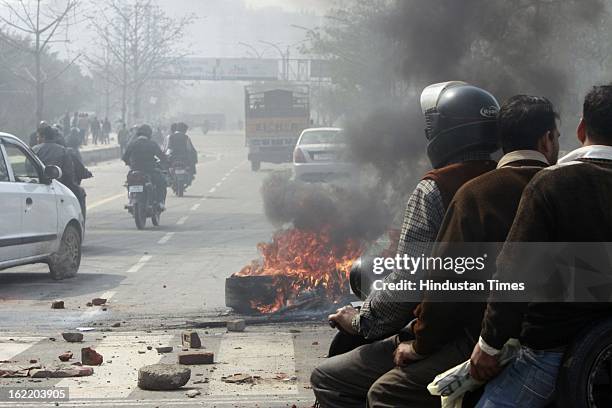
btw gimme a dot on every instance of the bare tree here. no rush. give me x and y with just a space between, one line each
43 24
139 39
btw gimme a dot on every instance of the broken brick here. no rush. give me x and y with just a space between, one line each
73 337
191 340
91 357
159 377
237 325
98 301
164 349
65 356
196 357
57 304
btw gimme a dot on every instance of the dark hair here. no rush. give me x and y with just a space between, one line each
46 132
597 114
523 120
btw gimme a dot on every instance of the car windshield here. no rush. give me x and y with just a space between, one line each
323 137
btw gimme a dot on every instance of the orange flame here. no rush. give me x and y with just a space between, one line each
309 259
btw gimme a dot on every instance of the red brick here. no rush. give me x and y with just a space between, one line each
196 357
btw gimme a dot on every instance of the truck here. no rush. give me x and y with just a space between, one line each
275 116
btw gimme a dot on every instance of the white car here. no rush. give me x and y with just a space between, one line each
319 155
41 220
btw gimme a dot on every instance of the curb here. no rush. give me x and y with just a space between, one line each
99 155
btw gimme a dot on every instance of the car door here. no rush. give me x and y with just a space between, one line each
11 213
38 200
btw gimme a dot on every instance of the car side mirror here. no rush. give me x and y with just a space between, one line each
52 173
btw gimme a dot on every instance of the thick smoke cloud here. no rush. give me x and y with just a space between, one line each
348 211
505 46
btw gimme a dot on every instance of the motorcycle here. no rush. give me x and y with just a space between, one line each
143 202
180 178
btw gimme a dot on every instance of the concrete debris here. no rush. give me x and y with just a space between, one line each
164 349
193 393
98 301
239 379
191 340
237 325
65 356
16 370
117 324
73 337
57 304
62 371
149 347
89 304
196 357
91 357
163 377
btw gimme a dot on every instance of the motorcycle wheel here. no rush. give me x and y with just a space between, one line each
156 218
140 216
180 189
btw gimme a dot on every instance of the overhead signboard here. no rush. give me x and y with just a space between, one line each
220 69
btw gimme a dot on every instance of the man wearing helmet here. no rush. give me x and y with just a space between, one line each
460 128
142 154
179 147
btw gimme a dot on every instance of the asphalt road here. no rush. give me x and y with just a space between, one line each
155 281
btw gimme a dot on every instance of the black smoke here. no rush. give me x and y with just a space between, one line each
346 210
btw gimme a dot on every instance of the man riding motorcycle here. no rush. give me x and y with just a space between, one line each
51 152
179 147
143 154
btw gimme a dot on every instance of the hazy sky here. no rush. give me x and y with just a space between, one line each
221 25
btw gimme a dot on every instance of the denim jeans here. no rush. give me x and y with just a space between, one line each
527 382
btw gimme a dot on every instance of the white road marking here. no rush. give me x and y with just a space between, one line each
166 238
119 378
138 265
96 310
256 354
212 190
195 207
12 346
104 201
182 221
218 184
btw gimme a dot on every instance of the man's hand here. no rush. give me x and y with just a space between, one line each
483 366
404 354
343 319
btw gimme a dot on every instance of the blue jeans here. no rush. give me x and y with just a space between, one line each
527 382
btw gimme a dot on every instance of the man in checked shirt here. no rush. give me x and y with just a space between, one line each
460 127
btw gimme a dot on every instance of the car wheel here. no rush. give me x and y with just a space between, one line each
66 261
255 165
585 378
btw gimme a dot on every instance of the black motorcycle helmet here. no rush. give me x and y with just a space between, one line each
145 130
182 127
459 118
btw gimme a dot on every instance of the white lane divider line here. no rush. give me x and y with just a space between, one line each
138 265
166 238
13 346
94 311
182 221
119 379
195 207
253 354
223 179
212 190
218 184
104 201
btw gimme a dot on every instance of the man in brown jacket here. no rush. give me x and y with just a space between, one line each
568 203
481 212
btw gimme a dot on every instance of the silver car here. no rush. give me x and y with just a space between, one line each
319 155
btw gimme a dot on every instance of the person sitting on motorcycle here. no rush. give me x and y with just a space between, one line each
180 148
143 154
